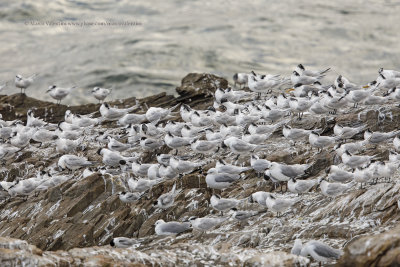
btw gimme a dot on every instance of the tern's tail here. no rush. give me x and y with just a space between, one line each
32 77
325 71
133 108
258 147
174 107
173 189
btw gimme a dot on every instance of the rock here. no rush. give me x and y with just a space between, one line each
376 250
201 83
197 89
278 258
73 223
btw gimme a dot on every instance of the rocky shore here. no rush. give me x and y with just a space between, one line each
72 224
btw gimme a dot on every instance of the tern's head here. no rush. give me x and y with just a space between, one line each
112 243
51 88
106 105
328 170
222 108
337 146
250 199
347 153
295 73
297 85
17 122
159 222
18 77
192 218
99 151
212 170
301 66
144 128
95 89
186 107
215 197
315 133
317 82
235 77
380 70
211 109
321 180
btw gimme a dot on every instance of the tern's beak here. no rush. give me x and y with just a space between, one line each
48 91
366 86
289 90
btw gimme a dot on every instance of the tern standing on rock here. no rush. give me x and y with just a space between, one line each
24 83
101 93
59 93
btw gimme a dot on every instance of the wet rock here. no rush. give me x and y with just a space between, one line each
376 250
197 89
276 259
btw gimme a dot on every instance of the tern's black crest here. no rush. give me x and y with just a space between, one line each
297 85
122 162
112 243
211 108
235 77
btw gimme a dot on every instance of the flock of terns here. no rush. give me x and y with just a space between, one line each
236 127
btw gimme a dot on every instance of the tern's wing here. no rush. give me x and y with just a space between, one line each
126 242
334 189
225 178
174 227
76 161
325 251
166 199
290 171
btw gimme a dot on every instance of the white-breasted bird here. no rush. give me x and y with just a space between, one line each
100 93
59 93
24 83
